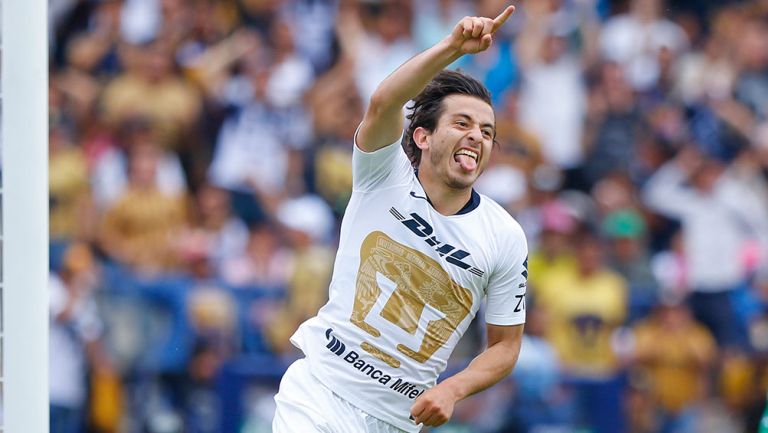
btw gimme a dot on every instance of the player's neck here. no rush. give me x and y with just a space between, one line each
444 199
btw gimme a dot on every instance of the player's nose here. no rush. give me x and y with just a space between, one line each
475 135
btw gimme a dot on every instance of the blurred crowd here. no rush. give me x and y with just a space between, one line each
200 162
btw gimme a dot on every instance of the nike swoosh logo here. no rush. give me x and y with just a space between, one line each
413 194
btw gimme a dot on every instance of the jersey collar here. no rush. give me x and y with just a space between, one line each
472 204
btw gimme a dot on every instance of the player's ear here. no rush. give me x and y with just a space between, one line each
421 137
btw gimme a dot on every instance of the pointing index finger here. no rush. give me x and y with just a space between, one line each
502 18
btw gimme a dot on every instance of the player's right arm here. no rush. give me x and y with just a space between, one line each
383 121
436 405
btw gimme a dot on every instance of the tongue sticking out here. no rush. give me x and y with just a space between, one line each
467 162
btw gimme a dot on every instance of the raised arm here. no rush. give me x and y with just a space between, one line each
666 191
435 406
383 121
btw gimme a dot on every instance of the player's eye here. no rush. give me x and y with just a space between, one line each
462 123
487 133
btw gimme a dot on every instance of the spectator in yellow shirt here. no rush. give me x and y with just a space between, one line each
675 354
142 228
583 306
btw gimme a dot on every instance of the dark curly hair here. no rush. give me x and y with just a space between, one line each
427 106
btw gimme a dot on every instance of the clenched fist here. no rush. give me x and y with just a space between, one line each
434 407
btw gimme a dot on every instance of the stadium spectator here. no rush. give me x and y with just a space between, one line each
692 83
628 256
75 339
308 222
636 40
336 110
751 86
540 401
255 158
378 48
583 306
292 74
140 229
675 357
554 254
316 19
712 200
552 90
149 88
71 213
614 125
265 263
216 234
109 166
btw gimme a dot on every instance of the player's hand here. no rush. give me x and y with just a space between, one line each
434 407
475 34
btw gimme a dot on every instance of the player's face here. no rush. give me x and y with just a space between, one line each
460 147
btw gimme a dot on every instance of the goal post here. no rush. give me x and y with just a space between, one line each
24 216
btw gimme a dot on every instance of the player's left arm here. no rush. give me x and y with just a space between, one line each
435 406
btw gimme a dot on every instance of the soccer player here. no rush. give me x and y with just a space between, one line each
419 250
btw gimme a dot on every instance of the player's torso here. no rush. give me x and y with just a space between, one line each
407 282
409 272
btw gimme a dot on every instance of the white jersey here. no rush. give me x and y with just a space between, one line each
406 284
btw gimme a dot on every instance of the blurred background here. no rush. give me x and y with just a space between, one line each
200 158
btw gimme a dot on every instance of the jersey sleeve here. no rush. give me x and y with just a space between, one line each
388 166
507 286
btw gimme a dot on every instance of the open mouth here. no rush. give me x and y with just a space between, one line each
466 158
